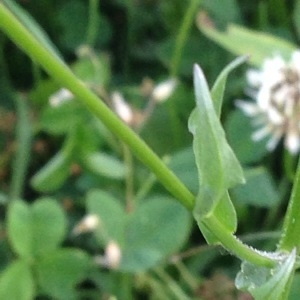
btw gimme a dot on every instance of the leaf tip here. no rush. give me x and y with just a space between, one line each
197 69
198 73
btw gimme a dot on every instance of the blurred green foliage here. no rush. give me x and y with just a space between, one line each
82 169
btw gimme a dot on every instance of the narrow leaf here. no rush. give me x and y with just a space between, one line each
104 165
53 174
241 41
217 165
33 27
218 88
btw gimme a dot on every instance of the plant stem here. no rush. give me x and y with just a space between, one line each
92 29
128 160
171 284
123 289
180 42
145 188
58 70
23 138
183 35
148 183
191 281
291 227
232 244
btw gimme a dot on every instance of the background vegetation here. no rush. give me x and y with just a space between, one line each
65 164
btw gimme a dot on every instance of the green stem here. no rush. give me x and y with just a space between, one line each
23 138
183 35
291 227
129 40
123 286
37 76
92 30
234 245
171 284
148 183
128 159
190 280
290 164
58 70
156 286
180 42
145 188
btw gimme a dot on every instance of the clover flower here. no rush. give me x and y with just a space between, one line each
276 110
112 256
122 108
88 224
60 97
162 91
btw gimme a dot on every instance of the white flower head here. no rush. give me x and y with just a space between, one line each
164 90
87 224
276 91
60 97
112 256
122 108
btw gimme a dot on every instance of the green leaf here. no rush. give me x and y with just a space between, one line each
53 174
295 287
111 214
239 130
296 16
19 228
154 230
217 91
183 164
72 18
16 282
93 69
218 168
48 225
40 93
157 228
225 213
259 190
88 138
62 119
60 271
225 13
267 284
193 51
104 165
37 229
241 41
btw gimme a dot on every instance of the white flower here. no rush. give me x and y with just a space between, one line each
60 97
87 224
164 90
112 256
276 91
122 108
